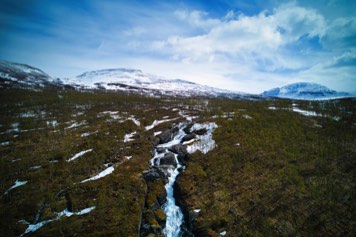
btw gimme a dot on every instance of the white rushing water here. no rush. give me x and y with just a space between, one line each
204 143
174 215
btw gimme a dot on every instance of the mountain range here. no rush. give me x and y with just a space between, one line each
133 80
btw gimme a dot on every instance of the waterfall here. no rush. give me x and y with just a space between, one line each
174 215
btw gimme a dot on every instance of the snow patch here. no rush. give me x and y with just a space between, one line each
245 116
157 133
75 125
157 122
129 137
223 233
17 184
79 154
65 212
133 119
203 143
28 115
4 143
305 112
86 134
100 175
313 113
52 123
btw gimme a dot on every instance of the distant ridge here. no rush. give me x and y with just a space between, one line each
305 91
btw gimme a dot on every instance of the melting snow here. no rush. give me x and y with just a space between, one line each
157 133
17 184
189 142
246 116
133 119
204 143
128 137
87 134
4 143
65 212
157 122
313 113
27 115
14 128
305 112
75 125
100 175
79 154
52 123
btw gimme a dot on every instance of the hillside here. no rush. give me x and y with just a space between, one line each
14 75
96 164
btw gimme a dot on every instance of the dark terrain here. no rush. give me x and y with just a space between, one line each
274 172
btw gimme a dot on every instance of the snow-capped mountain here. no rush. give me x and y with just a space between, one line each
24 76
305 91
135 80
15 75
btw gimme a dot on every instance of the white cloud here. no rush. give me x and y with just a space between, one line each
259 37
197 18
288 44
297 21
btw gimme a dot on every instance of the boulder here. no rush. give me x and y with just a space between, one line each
187 128
165 136
181 151
168 159
200 131
160 149
151 175
154 140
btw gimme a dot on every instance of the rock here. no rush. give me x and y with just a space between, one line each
181 151
200 131
160 149
188 137
151 175
187 128
165 136
160 217
154 140
168 159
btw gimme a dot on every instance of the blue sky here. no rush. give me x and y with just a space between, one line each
242 45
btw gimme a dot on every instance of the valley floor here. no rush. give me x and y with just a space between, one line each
73 163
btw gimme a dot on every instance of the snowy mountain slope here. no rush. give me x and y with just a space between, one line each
136 80
305 91
24 76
